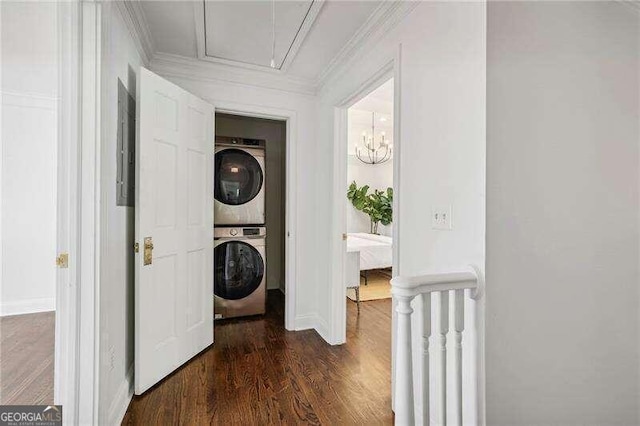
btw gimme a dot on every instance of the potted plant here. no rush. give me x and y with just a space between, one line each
377 205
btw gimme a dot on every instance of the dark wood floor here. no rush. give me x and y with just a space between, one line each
26 359
257 373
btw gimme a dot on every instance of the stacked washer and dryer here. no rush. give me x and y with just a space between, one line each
240 287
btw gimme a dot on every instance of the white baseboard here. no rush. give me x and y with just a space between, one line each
28 306
323 330
313 322
121 401
305 322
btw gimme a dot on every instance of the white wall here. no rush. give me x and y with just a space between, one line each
121 61
275 134
442 132
29 90
562 208
30 48
442 141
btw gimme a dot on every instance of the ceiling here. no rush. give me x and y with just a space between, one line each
244 31
309 33
377 105
380 100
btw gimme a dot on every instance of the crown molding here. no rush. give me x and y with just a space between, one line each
382 20
136 22
198 70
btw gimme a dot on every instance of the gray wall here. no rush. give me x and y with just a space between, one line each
275 180
562 213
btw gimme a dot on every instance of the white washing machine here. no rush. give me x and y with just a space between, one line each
240 280
239 183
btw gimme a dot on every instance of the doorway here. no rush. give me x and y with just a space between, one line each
369 211
250 192
174 149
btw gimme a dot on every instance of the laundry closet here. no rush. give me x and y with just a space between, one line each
249 213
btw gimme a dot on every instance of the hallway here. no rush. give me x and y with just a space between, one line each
258 373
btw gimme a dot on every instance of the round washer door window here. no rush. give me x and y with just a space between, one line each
238 270
238 177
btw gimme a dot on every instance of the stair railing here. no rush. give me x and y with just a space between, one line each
448 291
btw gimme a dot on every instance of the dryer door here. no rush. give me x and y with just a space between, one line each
239 177
239 269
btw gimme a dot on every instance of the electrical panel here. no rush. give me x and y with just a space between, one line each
126 150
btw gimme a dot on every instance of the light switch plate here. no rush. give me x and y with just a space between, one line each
442 218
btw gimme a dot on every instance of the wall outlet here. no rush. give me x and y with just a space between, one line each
441 218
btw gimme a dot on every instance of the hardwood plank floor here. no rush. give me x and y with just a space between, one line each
26 358
257 373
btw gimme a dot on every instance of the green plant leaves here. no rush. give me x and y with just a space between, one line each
377 205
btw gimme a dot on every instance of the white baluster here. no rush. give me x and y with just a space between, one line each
456 321
443 327
426 321
404 402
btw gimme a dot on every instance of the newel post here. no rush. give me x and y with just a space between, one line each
404 366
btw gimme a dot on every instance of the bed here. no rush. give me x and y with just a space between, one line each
364 253
375 250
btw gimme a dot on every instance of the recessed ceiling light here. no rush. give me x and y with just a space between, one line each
383 119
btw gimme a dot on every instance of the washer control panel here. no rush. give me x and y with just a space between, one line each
235 232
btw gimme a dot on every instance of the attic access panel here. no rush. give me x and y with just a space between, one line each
241 31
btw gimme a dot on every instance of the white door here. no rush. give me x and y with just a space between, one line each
174 229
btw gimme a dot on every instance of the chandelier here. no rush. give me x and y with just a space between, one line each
374 151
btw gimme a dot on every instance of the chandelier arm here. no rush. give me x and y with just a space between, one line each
387 156
359 158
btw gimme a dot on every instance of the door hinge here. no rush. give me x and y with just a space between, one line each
62 261
136 247
344 237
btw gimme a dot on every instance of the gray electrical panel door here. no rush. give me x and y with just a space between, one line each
126 152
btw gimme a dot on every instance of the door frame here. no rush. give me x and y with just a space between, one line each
291 211
390 69
76 344
66 320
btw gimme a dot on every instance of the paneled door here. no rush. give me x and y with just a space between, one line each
174 229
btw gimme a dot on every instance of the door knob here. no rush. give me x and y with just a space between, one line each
148 251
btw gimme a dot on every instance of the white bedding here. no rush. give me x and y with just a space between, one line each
375 250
